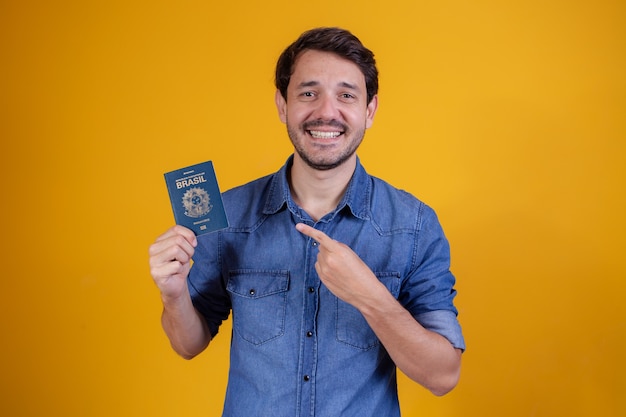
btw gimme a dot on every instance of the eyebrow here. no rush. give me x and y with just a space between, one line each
343 84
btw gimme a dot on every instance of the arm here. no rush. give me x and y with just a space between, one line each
170 262
424 356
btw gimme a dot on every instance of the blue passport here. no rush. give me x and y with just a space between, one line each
196 198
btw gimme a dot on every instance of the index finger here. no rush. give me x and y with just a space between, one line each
311 232
186 233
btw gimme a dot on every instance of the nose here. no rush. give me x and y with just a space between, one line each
327 108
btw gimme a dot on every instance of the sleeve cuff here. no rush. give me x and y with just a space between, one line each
445 323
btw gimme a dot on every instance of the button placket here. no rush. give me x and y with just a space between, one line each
309 342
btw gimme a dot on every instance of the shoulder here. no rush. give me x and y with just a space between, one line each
244 204
253 188
394 209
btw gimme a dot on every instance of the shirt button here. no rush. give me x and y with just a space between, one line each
306 378
314 243
311 289
309 334
252 291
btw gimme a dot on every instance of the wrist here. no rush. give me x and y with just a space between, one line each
177 300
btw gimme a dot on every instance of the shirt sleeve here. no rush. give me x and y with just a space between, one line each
445 323
428 292
205 283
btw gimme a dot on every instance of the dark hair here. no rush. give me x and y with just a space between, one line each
335 40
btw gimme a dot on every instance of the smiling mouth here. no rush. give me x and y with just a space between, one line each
320 129
317 134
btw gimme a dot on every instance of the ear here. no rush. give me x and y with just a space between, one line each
371 111
281 106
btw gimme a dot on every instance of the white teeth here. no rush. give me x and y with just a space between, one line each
324 135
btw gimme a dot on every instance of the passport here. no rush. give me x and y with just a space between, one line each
196 199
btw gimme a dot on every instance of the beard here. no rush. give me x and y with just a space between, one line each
326 159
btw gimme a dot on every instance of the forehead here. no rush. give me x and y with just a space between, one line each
321 66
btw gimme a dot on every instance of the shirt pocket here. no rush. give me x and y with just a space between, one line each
259 302
351 327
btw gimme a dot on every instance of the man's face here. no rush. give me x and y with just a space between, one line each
326 111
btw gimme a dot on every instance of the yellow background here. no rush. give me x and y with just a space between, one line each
508 117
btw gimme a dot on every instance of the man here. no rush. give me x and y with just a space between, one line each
334 277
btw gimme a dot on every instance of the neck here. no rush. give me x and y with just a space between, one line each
318 192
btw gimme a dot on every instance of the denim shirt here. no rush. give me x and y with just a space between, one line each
296 349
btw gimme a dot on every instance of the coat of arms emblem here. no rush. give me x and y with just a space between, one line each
197 202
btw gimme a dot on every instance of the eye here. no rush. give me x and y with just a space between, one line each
307 95
347 97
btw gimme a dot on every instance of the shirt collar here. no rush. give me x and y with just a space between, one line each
357 196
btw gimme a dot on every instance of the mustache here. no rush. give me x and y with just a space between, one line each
323 123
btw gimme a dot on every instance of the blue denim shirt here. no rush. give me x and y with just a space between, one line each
297 350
